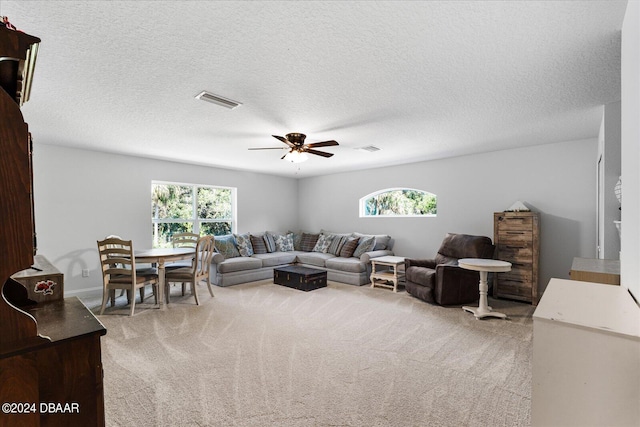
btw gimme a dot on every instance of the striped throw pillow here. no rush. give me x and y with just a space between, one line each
270 242
336 244
349 247
308 241
257 242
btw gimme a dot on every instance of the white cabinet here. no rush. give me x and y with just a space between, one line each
586 356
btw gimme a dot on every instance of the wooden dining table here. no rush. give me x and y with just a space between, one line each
160 256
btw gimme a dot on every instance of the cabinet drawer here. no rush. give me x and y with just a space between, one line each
521 267
517 274
515 223
519 252
514 236
517 289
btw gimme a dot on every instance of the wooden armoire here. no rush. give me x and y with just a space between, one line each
50 356
517 239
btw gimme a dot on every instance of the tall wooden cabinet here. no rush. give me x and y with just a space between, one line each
49 350
517 239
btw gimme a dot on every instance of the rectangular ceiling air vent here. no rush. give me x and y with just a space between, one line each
217 99
369 148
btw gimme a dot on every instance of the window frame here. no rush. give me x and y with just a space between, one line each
194 208
363 202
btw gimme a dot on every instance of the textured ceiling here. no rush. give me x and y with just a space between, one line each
419 80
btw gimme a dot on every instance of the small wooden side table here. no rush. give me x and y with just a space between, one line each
605 271
484 266
391 272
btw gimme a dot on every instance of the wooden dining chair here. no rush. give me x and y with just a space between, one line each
197 272
118 266
139 271
183 240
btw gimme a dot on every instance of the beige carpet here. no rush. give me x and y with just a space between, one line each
260 354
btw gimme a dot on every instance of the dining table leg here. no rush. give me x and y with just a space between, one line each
161 280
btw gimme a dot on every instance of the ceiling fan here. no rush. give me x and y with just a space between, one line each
298 149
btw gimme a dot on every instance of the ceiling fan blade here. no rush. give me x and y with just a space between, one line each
319 153
322 144
268 148
283 139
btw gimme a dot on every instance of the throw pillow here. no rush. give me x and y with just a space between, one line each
284 243
257 242
270 242
322 245
336 244
349 247
381 240
226 246
365 245
244 244
308 241
297 237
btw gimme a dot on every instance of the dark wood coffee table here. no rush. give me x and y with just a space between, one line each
302 278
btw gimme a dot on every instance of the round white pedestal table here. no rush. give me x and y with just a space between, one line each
484 266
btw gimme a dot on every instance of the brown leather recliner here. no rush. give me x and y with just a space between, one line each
440 280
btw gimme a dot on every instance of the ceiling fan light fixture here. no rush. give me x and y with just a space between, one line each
218 100
295 156
298 150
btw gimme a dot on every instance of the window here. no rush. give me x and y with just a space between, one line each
398 202
190 208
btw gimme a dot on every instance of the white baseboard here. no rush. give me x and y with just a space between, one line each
89 292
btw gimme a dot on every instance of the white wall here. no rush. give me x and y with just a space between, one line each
630 254
609 150
82 196
558 180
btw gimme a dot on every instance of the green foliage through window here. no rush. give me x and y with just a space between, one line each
399 202
180 208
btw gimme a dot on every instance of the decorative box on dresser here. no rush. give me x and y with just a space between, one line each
517 239
43 281
50 356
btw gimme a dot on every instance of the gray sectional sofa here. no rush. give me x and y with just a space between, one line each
241 258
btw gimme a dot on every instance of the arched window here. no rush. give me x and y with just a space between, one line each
398 202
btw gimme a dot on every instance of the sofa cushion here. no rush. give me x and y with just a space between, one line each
244 244
336 244
364 245
465 246
257 242
322 245
238 264
226 245
424 293
421 275
297 238
349 247
350 265
270 242
381 240
308 241
276 258
284 243
314 258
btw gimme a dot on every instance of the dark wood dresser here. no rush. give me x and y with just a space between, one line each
517 239
50 356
